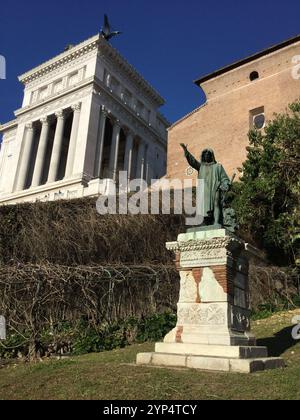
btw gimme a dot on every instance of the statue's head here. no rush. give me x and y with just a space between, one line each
208 156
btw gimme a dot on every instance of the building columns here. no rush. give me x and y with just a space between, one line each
128 155
73 140
141 161
148 173
41 153
57 146
113 166
25 157
148 168
100 142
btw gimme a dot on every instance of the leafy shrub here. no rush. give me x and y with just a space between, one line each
84 337
268 197
155 327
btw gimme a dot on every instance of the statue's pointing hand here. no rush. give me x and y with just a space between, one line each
184 146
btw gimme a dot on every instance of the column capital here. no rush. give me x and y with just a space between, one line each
104 110
29 126
44 120
76 107
117 123
60 114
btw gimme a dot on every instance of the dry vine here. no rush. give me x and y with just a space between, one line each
272 285
38 297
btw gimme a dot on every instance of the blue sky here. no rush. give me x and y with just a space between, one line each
170 42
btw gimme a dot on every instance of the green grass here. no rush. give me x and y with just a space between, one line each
113 375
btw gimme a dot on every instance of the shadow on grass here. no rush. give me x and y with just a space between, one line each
279 343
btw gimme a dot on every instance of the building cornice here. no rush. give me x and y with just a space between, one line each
98 43
60 60
9 125
112 54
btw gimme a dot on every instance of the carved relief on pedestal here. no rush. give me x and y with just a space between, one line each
198 314
188 287
202 257
213 315
202 253
188 315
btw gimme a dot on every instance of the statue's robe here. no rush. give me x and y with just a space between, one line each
215 180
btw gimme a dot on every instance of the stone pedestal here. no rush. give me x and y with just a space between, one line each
213 318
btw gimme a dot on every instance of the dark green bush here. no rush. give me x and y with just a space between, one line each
83 337
155 327
268 197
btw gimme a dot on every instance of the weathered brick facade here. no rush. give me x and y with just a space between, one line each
223 122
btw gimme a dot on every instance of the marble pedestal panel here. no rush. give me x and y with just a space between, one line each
213 316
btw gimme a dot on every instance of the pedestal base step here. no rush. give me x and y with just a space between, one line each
234 352
223 364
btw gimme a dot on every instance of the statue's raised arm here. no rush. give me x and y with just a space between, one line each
194 163
216 184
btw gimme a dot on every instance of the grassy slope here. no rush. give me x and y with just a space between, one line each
112 375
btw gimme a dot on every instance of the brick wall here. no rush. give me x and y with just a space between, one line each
223 122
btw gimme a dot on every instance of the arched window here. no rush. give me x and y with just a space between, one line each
254 76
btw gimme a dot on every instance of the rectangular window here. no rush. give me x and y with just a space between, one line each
148 115
73 79
58 86
43 92
114 85
126 97
34 96
140 108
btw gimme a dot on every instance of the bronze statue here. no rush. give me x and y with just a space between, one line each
106 31
216 185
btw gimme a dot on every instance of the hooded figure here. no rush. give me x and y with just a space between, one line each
215 181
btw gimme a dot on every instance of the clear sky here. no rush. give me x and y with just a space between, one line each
170 42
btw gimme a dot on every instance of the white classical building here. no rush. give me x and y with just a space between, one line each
86 115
